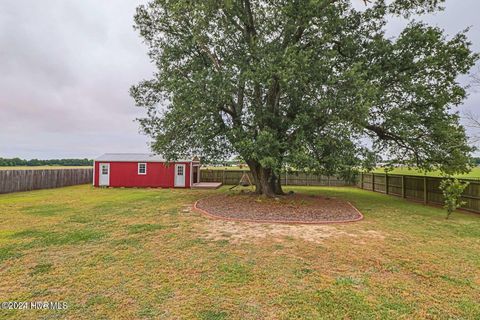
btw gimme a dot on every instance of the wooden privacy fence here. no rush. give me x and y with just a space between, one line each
24 180
418 188
232 177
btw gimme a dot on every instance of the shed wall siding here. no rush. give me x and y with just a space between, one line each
125 174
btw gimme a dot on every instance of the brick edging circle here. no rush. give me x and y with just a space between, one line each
216 217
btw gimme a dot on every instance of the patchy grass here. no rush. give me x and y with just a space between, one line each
141 254
212 315
146 227
45 210
8 251
41 268
48 238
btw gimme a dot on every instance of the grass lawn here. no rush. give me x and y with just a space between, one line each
142 254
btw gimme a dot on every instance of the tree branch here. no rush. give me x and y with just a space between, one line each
250 25
385 135
213 58
233 21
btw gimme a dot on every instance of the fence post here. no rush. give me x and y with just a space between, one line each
386 183
223 177
361 179
425 192
373 181
286 178
404 193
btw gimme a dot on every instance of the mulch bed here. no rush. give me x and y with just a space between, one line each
292 208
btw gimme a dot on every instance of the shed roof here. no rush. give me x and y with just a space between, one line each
135 157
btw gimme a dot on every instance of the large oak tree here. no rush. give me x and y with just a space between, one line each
312 84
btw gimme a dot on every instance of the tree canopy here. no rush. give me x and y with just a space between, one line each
313 84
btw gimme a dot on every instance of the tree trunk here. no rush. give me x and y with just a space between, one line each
255 170
278 186
266 182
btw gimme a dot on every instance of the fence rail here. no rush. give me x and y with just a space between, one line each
25 180
418 188
232 177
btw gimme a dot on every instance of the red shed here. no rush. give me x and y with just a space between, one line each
144 170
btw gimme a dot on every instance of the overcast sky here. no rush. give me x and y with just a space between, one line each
66 67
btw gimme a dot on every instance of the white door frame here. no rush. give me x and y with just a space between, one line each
94 166
191 174
176 175
102 176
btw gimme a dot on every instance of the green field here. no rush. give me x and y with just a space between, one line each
43 167
143 254
475 173
226 168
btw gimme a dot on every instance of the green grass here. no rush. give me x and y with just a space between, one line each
213 315
141 254
41 268
475 173
141 228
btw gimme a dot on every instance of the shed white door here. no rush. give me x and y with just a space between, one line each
179 175
104 174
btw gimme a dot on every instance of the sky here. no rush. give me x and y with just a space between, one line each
66 67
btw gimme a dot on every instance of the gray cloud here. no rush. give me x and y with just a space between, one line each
66 67
65 71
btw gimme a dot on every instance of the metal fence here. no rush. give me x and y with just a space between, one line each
232 177
418 188
33 179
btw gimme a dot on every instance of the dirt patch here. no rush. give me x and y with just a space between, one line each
238 232
296 208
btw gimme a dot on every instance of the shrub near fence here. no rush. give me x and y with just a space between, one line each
232 177
25 180
418 188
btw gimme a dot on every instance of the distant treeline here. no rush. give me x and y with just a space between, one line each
12 162
5 162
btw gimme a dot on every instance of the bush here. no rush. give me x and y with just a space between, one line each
452 190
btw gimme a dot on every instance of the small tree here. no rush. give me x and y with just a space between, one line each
452 191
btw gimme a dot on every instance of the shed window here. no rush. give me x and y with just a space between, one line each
180 170
104 169
142 168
